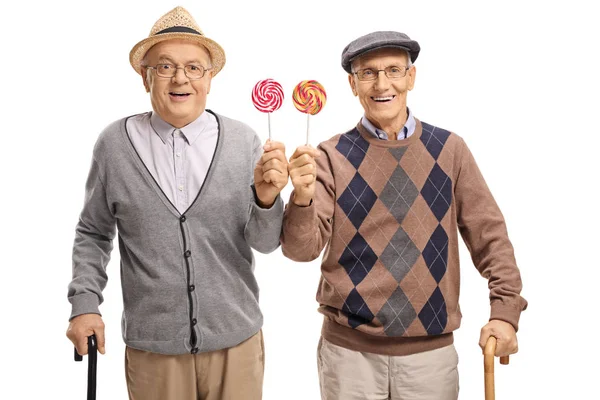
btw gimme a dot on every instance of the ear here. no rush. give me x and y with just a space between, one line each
145 79
210 76
412 75
351 81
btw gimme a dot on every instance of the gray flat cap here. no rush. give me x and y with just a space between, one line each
378 40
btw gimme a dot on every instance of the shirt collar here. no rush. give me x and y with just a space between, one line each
190 132
407 130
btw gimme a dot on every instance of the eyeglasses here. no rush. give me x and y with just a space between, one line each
169 70
392 72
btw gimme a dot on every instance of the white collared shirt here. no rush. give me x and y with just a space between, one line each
178 159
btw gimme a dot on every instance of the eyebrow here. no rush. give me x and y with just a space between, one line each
163 57
399 65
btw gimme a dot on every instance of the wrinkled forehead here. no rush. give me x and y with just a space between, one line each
178 50
386 55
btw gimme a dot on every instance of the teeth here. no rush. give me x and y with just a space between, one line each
383 98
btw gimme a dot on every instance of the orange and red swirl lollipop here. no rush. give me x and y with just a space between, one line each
309 97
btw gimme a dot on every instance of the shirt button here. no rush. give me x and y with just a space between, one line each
180 188
187 253
182 219
191 288
194 350
178 154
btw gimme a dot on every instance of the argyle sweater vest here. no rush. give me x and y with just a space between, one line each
389 213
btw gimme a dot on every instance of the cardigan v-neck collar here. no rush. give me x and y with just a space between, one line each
148 176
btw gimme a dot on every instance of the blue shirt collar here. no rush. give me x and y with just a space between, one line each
407 130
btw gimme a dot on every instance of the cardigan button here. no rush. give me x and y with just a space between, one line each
182 219
194 350
187 254
191 288
194 322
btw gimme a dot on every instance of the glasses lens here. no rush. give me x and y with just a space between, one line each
395 72
194 71
367 74
165 70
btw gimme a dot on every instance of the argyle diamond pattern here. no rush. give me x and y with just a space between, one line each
397 314
357 200
400 255
399 194
357 310
358 259
437 192
434 315
379 192
435 253
434 139
353 147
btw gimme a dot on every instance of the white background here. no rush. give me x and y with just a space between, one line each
517 80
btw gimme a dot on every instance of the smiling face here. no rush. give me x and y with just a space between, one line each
384 99
177 100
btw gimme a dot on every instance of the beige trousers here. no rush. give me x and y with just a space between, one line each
351 375
229 374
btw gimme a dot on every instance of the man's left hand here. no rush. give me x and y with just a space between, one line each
504 333
270 173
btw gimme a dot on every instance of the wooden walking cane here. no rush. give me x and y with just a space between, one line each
488 367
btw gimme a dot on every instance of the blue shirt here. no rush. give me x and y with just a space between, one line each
407 130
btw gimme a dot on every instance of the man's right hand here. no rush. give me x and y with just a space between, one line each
85 325
303 172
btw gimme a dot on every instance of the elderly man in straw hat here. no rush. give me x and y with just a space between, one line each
389 198
191 193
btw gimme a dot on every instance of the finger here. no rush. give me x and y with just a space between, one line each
275 178
81 345
309 150
302 160
101 340
506 347
483 337
276 165
274 154
303 181
308 169
271 145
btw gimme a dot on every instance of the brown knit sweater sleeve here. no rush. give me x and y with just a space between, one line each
483 229
306 230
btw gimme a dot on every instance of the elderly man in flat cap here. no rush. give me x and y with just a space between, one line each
191 193
387 199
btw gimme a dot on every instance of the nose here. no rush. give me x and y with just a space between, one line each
382 82
180 77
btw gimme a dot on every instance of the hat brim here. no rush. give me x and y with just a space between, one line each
217 55
413 52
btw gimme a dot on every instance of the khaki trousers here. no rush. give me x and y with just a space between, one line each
351 375
229 374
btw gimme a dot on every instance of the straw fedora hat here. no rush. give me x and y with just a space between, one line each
176 24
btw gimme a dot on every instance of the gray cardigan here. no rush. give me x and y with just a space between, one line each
187 279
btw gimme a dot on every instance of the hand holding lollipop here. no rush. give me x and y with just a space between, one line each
309 97
267 97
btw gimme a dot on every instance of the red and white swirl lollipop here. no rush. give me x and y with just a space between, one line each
267 97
